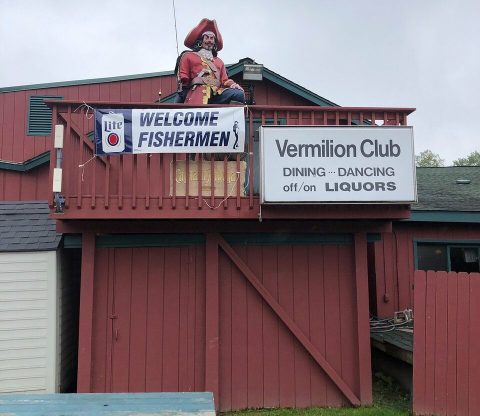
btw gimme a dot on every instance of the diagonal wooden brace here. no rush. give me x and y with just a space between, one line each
289 322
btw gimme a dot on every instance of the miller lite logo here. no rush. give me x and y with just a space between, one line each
113 133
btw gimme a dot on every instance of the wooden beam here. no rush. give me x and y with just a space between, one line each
363 325
84 379
212 319
289 323
227 226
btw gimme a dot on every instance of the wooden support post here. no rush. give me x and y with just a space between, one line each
84 382
212 317
363 325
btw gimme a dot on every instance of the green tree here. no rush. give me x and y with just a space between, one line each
473 159
428 159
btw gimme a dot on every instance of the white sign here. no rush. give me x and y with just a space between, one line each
337 164
202 130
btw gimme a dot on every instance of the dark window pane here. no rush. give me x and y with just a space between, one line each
432 257
464 259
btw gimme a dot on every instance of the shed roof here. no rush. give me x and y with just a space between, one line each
454 188
26 226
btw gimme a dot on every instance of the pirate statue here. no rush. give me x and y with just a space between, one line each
201 74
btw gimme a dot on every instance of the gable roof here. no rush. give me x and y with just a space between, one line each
233 69
239 67
26 226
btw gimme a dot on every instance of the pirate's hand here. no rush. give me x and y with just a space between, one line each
230 83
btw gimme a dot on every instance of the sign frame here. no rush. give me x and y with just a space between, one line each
352 201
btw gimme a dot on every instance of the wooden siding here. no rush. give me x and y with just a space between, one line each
28 186
28 322
262 363
149 319
16 146
151 323
395 260
446 371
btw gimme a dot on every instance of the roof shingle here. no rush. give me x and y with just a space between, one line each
26 226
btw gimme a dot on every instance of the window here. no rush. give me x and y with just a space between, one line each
448 257
40 115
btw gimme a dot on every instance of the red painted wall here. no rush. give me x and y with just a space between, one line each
156 341
16 146
149 323
28 186
395 262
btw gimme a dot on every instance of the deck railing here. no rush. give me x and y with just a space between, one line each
178 185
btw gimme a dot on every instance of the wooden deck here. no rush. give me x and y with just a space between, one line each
164 186
397 343
130 404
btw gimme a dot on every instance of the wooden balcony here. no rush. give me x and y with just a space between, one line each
167 186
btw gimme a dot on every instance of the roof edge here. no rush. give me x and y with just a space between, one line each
27 165
444 216
84 81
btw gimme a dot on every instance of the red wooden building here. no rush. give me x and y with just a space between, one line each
264 305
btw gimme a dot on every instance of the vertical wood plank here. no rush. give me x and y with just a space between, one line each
419 379
301 316
270 330
316 296
101 321
226 329
200 312
451 378
84 382
430 329
183 350
441 336
286 350
155 307
239 336
463 343
254 334
474 335
122 324
332 328
191 311
138 331
171 298
362 314
212 330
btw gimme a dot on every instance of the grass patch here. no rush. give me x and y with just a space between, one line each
388 400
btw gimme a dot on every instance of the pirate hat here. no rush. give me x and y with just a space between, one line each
205 25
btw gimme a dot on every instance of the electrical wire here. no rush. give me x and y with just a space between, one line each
175 23
390 324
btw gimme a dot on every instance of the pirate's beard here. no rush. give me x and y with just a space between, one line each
205 53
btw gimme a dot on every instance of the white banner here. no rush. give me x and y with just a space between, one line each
192 130
337 164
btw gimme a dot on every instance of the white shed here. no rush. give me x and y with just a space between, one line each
31 288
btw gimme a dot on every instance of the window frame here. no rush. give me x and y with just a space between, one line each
448 244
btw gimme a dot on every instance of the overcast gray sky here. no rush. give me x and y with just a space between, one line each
390 53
